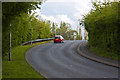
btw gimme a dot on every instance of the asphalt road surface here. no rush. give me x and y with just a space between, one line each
61 60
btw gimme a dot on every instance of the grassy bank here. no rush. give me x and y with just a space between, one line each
18 67
104 53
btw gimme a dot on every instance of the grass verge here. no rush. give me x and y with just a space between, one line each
18 67
103 53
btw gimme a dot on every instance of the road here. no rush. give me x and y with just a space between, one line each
61 60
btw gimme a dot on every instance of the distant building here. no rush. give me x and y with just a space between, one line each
83 33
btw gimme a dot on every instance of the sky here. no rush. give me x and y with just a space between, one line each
68 11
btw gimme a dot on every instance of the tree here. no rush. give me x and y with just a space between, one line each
102 26
53 29
66 31
16 13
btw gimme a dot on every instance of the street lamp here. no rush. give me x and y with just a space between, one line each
81 23
30 32
10 44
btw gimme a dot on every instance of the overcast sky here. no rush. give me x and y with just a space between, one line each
68 11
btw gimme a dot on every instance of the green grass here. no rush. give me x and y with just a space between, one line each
104 53
18 67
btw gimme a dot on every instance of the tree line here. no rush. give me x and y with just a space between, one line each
18 14
65 30
25 26
102 24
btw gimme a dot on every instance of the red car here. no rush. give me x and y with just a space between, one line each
58 38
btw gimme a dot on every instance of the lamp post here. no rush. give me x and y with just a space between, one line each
30 32
78 25
10 44
79 30
81 24
83 30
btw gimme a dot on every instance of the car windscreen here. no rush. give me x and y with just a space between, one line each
57 37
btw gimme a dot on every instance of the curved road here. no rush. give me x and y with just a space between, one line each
60 60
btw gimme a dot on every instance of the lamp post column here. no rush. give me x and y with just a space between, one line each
10 45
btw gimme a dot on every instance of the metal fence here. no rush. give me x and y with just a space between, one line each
37 40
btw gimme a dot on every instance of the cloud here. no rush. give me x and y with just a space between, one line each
82 7
58 18
59 0
51 18
64 18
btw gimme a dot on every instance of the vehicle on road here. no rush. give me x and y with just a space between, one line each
58 38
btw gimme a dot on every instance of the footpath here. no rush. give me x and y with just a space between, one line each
83 51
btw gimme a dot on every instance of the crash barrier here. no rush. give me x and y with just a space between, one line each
38 40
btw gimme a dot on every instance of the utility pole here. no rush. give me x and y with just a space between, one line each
10 44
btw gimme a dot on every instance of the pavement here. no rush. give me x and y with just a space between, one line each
61 60
83 51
